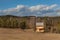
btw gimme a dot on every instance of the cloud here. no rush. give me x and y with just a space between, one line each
38 10
42 7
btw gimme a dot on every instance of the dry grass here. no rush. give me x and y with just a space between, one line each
17 34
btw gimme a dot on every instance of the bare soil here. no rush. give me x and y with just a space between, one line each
17 34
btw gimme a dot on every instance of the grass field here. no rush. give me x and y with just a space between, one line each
17 34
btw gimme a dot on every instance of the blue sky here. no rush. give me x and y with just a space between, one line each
30 7
4 4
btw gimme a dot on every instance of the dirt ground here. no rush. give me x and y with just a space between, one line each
17 34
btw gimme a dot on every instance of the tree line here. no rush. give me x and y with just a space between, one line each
12 22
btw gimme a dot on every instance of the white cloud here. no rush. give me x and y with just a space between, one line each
38 10
42 7
52 6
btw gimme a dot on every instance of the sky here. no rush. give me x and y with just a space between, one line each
30 7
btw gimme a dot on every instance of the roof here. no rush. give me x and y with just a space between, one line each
39 23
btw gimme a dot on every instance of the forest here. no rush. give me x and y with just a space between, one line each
9 21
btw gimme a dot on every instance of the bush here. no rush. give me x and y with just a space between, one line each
23 25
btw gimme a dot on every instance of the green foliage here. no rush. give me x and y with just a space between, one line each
23 25
58 27
12 22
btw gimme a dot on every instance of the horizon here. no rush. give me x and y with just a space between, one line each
28 16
